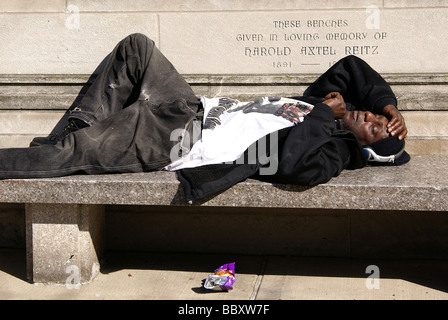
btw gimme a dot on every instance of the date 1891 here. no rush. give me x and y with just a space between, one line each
282 64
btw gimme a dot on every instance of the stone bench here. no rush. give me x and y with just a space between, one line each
65 217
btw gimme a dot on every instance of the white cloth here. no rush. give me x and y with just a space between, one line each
231 126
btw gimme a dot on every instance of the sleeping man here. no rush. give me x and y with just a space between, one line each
140 115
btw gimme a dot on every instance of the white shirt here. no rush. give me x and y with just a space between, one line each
231 126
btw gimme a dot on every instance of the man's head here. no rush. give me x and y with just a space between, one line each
366 126
371 131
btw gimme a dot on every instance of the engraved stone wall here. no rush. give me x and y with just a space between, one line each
227 37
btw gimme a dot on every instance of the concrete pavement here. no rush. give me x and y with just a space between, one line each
169 276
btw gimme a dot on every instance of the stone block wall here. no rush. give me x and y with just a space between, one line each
226 37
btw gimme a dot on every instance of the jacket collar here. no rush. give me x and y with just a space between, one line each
354 147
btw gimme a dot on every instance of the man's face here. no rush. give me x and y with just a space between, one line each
366 126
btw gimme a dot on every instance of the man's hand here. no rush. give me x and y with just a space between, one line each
336 102
396 123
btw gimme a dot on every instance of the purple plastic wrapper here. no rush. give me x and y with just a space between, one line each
223 278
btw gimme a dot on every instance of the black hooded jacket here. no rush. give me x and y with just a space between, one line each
313 151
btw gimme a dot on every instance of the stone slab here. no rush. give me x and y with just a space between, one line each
28 122
414 3
33 6
229 38
213 6
205 5
64 242
178 277
420 185
39 96
305 278
72 43
427 147
420 124
392 40
423 92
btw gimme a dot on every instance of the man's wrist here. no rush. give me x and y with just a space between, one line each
388 109
381 104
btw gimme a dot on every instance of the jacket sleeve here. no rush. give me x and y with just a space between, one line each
357 82
310 155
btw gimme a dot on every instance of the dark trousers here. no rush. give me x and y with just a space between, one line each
134 105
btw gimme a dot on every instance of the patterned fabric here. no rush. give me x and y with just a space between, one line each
294 112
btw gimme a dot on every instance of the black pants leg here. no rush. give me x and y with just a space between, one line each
125 135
